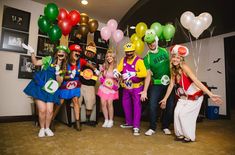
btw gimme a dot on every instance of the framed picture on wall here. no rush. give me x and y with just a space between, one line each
16 19
12 40
26 67
45 47
99 41
76 37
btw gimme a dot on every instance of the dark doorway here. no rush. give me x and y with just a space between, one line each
229 48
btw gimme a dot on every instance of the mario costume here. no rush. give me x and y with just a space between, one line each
133 73
71 85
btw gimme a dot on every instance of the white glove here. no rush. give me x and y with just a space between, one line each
72 75
116 73
57 70
97 72
29 48
126 76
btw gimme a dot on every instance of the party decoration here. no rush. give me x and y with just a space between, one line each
105 33
83 29
168 31
93 25
140 29
74 17
51 11
63 14
112 25
118 35
54 33
207 19
157 27
134 37
139 47
186 19
84 18
65 26
196 27
43 24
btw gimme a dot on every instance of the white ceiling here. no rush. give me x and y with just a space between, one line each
101 10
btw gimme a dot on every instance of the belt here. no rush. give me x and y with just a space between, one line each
195 96
64 86
133 85
157 81
93 77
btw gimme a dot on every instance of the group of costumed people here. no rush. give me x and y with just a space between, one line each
67 76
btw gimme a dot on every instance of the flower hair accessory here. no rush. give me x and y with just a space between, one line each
179 50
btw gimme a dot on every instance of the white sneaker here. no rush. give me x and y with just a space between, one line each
166 131
48 132
150 132
41 133
110 124
105 123
136 131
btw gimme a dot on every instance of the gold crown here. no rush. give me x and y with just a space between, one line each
91 48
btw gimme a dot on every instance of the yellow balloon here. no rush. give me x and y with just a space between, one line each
140 29
139 47
134 37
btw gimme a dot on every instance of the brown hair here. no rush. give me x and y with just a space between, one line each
176 70
64 62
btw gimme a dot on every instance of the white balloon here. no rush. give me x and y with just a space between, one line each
196 27
207 18
186 18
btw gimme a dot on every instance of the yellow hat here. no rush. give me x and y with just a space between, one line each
129 47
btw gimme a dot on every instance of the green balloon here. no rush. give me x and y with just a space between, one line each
43 24
54 33
51 11
168 31
157 27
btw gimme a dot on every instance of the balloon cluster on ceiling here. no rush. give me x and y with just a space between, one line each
66 20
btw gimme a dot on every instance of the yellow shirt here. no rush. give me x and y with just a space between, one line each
141 71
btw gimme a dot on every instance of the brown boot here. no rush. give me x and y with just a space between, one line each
78 125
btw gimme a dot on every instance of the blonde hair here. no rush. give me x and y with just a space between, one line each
106 64
176 70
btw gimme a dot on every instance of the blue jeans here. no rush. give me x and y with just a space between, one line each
156 95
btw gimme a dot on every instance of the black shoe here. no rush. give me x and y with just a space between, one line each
186 140
179 138
77 125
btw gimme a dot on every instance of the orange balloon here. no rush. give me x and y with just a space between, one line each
139 47
93 25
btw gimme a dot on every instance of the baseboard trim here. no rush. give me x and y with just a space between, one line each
9 119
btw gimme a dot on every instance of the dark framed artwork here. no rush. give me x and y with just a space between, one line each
76 37
45 46
26 67
11 40
100 55
99 41
16 19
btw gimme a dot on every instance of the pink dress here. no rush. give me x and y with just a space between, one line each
108 90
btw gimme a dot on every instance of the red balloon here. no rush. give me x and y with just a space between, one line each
74 17
65 26
63 14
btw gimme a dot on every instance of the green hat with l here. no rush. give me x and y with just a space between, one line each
63 48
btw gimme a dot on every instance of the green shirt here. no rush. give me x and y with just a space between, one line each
158 63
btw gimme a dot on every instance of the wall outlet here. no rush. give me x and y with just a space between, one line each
9 66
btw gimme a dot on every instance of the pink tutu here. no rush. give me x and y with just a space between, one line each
107 94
